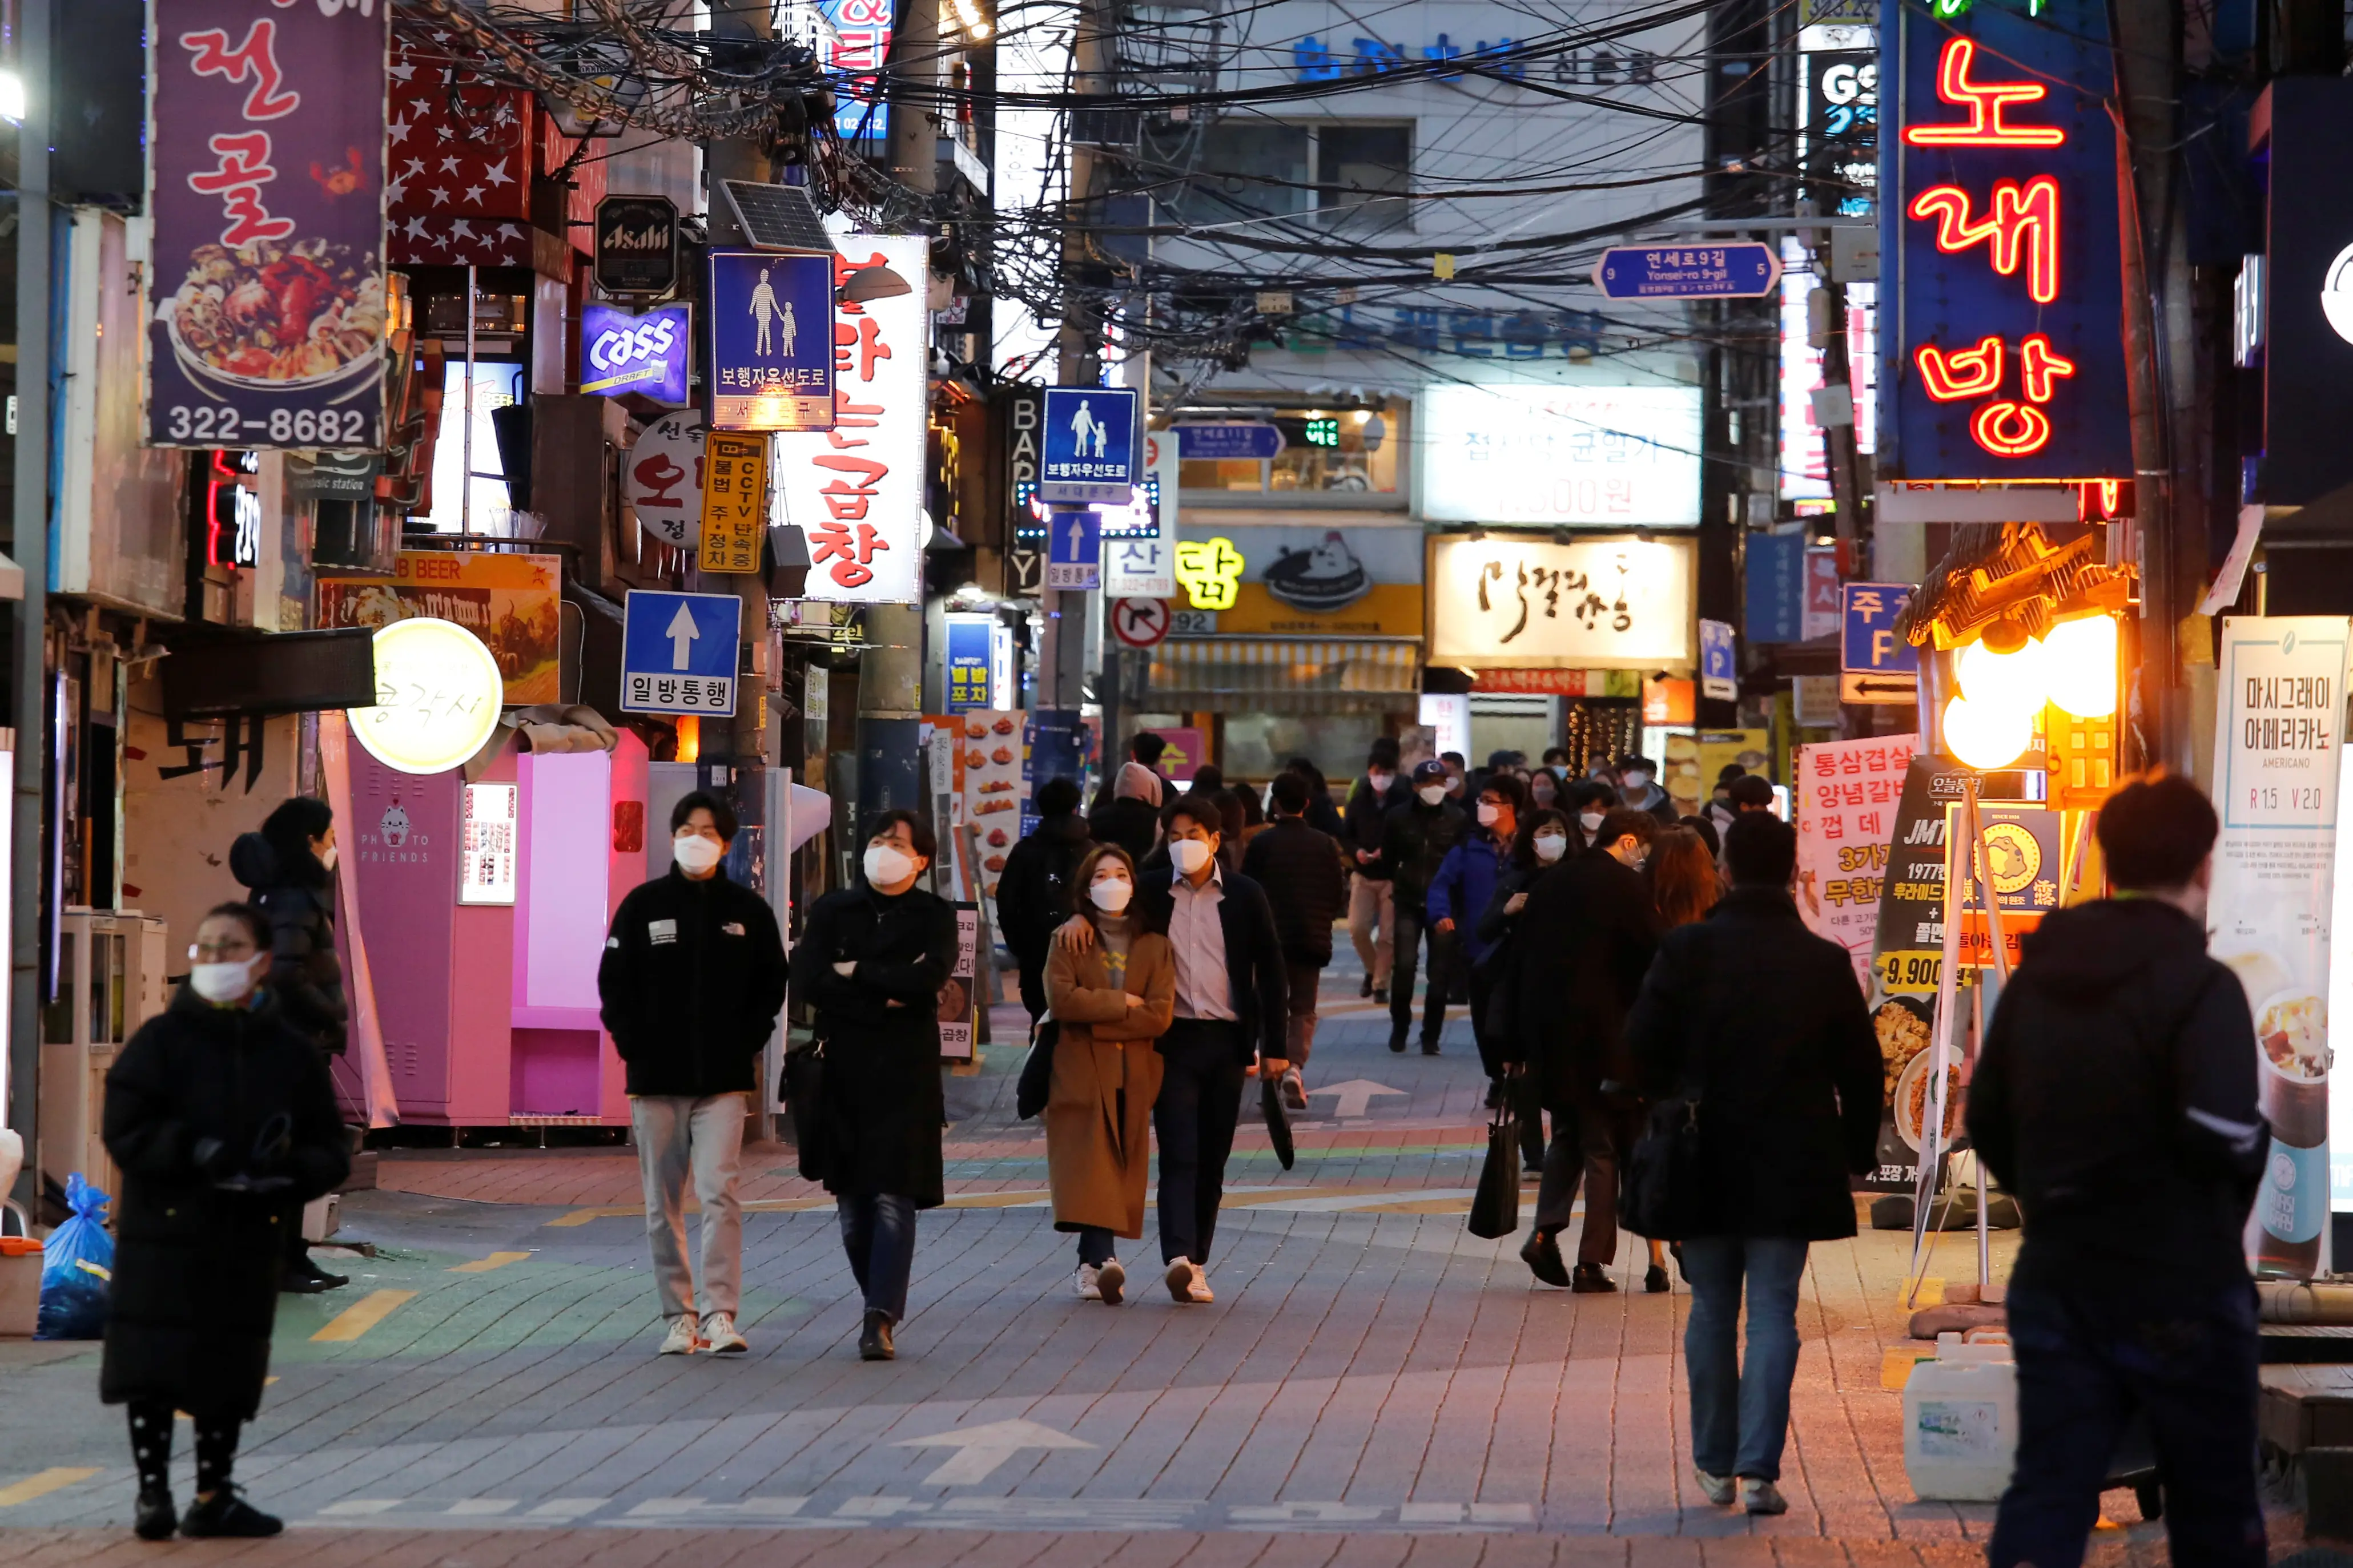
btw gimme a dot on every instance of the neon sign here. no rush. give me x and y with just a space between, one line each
1986 102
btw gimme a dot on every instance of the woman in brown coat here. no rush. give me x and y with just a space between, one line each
1112 1001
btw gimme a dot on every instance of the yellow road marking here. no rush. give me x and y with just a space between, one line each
42 1484
1896 1362
361 1316
582 1216
495 1260
1931 1291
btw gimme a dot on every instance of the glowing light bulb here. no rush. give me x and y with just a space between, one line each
2080 662
1986 732
2006 679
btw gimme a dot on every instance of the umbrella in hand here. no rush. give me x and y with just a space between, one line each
1278 1124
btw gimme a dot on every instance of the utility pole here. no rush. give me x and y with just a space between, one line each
31 517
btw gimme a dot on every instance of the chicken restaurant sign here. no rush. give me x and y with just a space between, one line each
1527 602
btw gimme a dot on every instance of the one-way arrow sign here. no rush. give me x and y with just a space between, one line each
1355 1095
681 635
980 1449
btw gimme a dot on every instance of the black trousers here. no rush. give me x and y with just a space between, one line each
1194 1118
1411 923
1033 990
1587 1146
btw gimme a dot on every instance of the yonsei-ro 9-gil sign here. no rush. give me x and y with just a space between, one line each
2004 358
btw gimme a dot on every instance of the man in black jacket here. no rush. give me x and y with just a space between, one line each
1033 895
1300 869
1372 911
692 979
2115 1098
1229 1009
1415 838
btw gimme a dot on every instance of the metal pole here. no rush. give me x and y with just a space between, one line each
32 548
466 488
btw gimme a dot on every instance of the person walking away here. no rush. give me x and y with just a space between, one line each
1761 1020
1144 749
1322 814
220 1115
1637 787
1414 839
1033 893
1465 886
1113 1002
2130 1294
1229 1009
870 962
289 866
1585 936
1685 885
1307 891
1131 820
1372 905
1543 842
690 983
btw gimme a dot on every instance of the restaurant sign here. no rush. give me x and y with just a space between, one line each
1529 602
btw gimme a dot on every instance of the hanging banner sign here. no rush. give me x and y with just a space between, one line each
2279 721
661 479
265 299
1846 797
734 502
773 340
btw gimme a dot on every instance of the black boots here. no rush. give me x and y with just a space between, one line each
874 1344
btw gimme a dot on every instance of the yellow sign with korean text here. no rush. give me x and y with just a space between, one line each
734 501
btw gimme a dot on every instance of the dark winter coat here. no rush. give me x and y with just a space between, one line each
691 981
1465 882
882 1102
1133 825
1299 867
1414 839
2116 1097
1765 1019
1033 894
1365 817
1584 941
195 1270
298 896
1255 980
1324 817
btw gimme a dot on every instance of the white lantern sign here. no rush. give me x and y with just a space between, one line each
437 692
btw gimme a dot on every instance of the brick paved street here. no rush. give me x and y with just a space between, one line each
1373 1384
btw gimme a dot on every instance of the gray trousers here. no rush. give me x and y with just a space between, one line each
680 1136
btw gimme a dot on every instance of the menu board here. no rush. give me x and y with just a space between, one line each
996 787
1907 960
1846 798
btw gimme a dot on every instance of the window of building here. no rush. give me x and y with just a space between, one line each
1337 174
1329 449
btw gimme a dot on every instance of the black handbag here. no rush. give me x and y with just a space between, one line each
1662 1187
1036 1079
805 1097
1495 1208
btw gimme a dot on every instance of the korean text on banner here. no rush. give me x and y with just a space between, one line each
508 600
734 502
265 297
772 359
1907 961
1846 797
857 490
2279 723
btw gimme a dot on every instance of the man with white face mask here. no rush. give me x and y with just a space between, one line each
1637 787
691 980
1416 838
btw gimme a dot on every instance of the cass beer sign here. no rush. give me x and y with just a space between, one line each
621 350
637 245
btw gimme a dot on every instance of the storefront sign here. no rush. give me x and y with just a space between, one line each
1846 797
995 786
265 297
2003 360
1719 673
1089 453
1669 700
1211 571
1139 568
1623 456
968 653
2304 307
1867 641
1188 748
734 502
2279 724
1523 601
857 491
637 245
486 844
1822 599
438 690
2022 855
1774 579
661 479
773 340
1322 577
621 350
508 600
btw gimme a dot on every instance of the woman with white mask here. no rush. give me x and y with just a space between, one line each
1543 840
872 962
1111 1001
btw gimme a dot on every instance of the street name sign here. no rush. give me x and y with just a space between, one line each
1743 270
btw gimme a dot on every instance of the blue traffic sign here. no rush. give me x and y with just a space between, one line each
679 652
1074 549
1090 451
1867 641
771 340
1719 675
1746 270
1250 442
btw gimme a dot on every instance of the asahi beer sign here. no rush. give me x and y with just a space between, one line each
265 300
637 245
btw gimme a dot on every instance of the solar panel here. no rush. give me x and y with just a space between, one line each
777 217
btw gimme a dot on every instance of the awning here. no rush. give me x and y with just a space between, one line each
1286 675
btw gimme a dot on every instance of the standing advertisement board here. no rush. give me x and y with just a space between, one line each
2279 722
1907 961
1846 798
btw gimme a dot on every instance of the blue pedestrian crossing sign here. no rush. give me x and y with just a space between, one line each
1090 447
1074 549
679 652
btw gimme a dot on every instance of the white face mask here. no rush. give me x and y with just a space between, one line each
1111 894
696 853
1188 855
1488 811
1589 820
1550 847
1637 780
329 857
1431 793
1380 782
229 982
886 866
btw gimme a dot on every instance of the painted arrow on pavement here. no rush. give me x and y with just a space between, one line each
980 1449
1355 1095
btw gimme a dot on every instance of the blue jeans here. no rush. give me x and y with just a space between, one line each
2091 1355
1740 1416
878 1232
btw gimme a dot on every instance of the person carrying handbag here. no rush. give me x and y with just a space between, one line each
1760 1023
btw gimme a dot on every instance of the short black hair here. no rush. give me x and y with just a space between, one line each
1207 779
1750 789
723 816
1619 821
2155 832
1634 760
1760 850
256 924
919 832
1146 747
1383 754
1552 752
1508 786
1197 809
1707 830
1456 758
293 823
1289 792
1729 772
1058 797
1593 792
1306 769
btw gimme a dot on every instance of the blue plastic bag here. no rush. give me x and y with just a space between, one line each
77 1267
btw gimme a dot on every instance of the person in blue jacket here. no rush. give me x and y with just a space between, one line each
1465 884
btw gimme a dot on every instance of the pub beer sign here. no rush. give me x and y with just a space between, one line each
2002 359
637 245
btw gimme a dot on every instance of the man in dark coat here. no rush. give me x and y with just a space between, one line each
1033 894
691 981
1372 910
1415 838
1586 937
1637 787
872 962
1307 890
2116 1097
1762 1020
223 1122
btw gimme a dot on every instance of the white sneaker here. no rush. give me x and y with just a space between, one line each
1760 1496
1111 1280
1089 1282
1717 1490
719 1334
1188 1285
681 1339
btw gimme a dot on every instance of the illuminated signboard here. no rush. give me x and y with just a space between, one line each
2003 358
